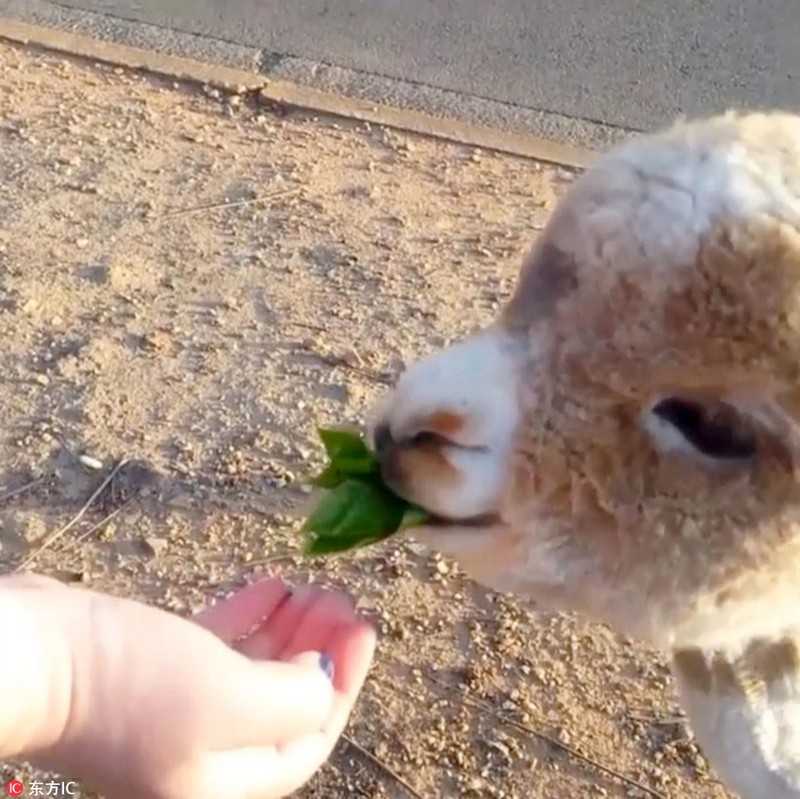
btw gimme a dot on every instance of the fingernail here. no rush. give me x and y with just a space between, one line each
326 664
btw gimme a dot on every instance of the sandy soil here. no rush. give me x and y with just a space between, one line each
206 343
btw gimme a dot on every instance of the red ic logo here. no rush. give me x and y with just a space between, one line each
15 788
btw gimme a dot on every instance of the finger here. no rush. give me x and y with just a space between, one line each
352 649
302 623
281 770
269 639
328 612
238 614
273 702
285 769
258 772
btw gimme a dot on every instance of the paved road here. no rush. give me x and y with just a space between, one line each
618 63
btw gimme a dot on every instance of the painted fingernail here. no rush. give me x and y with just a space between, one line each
326 664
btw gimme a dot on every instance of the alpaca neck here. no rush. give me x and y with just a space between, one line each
744 707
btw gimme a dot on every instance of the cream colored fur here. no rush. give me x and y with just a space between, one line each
670 270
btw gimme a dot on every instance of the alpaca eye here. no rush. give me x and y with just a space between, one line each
717 431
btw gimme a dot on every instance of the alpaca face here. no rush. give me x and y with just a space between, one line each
445 437
622 441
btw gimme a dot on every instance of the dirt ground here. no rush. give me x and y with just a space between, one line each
142 319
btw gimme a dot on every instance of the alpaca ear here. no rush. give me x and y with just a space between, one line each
548 275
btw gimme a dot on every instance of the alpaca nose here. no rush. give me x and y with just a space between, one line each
382 439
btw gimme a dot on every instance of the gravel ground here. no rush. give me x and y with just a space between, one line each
193 282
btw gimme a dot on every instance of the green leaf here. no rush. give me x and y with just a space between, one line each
357 509
330 478
349 456
348 452
353 513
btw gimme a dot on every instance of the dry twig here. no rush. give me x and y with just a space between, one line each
307 326
21 490
75 519
231 204
338 360
99 525
279 558
384 767
577 754
554 742
658 721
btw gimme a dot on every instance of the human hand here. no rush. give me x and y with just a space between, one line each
231 703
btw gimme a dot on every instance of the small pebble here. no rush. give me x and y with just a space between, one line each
90 463
157 546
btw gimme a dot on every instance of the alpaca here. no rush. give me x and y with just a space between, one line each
623 441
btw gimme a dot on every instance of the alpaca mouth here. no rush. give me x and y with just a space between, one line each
478 522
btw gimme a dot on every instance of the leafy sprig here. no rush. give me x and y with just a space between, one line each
357 508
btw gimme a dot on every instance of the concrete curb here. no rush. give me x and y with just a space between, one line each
295 96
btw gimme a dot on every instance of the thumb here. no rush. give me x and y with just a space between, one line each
284 700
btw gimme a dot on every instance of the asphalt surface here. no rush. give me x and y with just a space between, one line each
580 70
